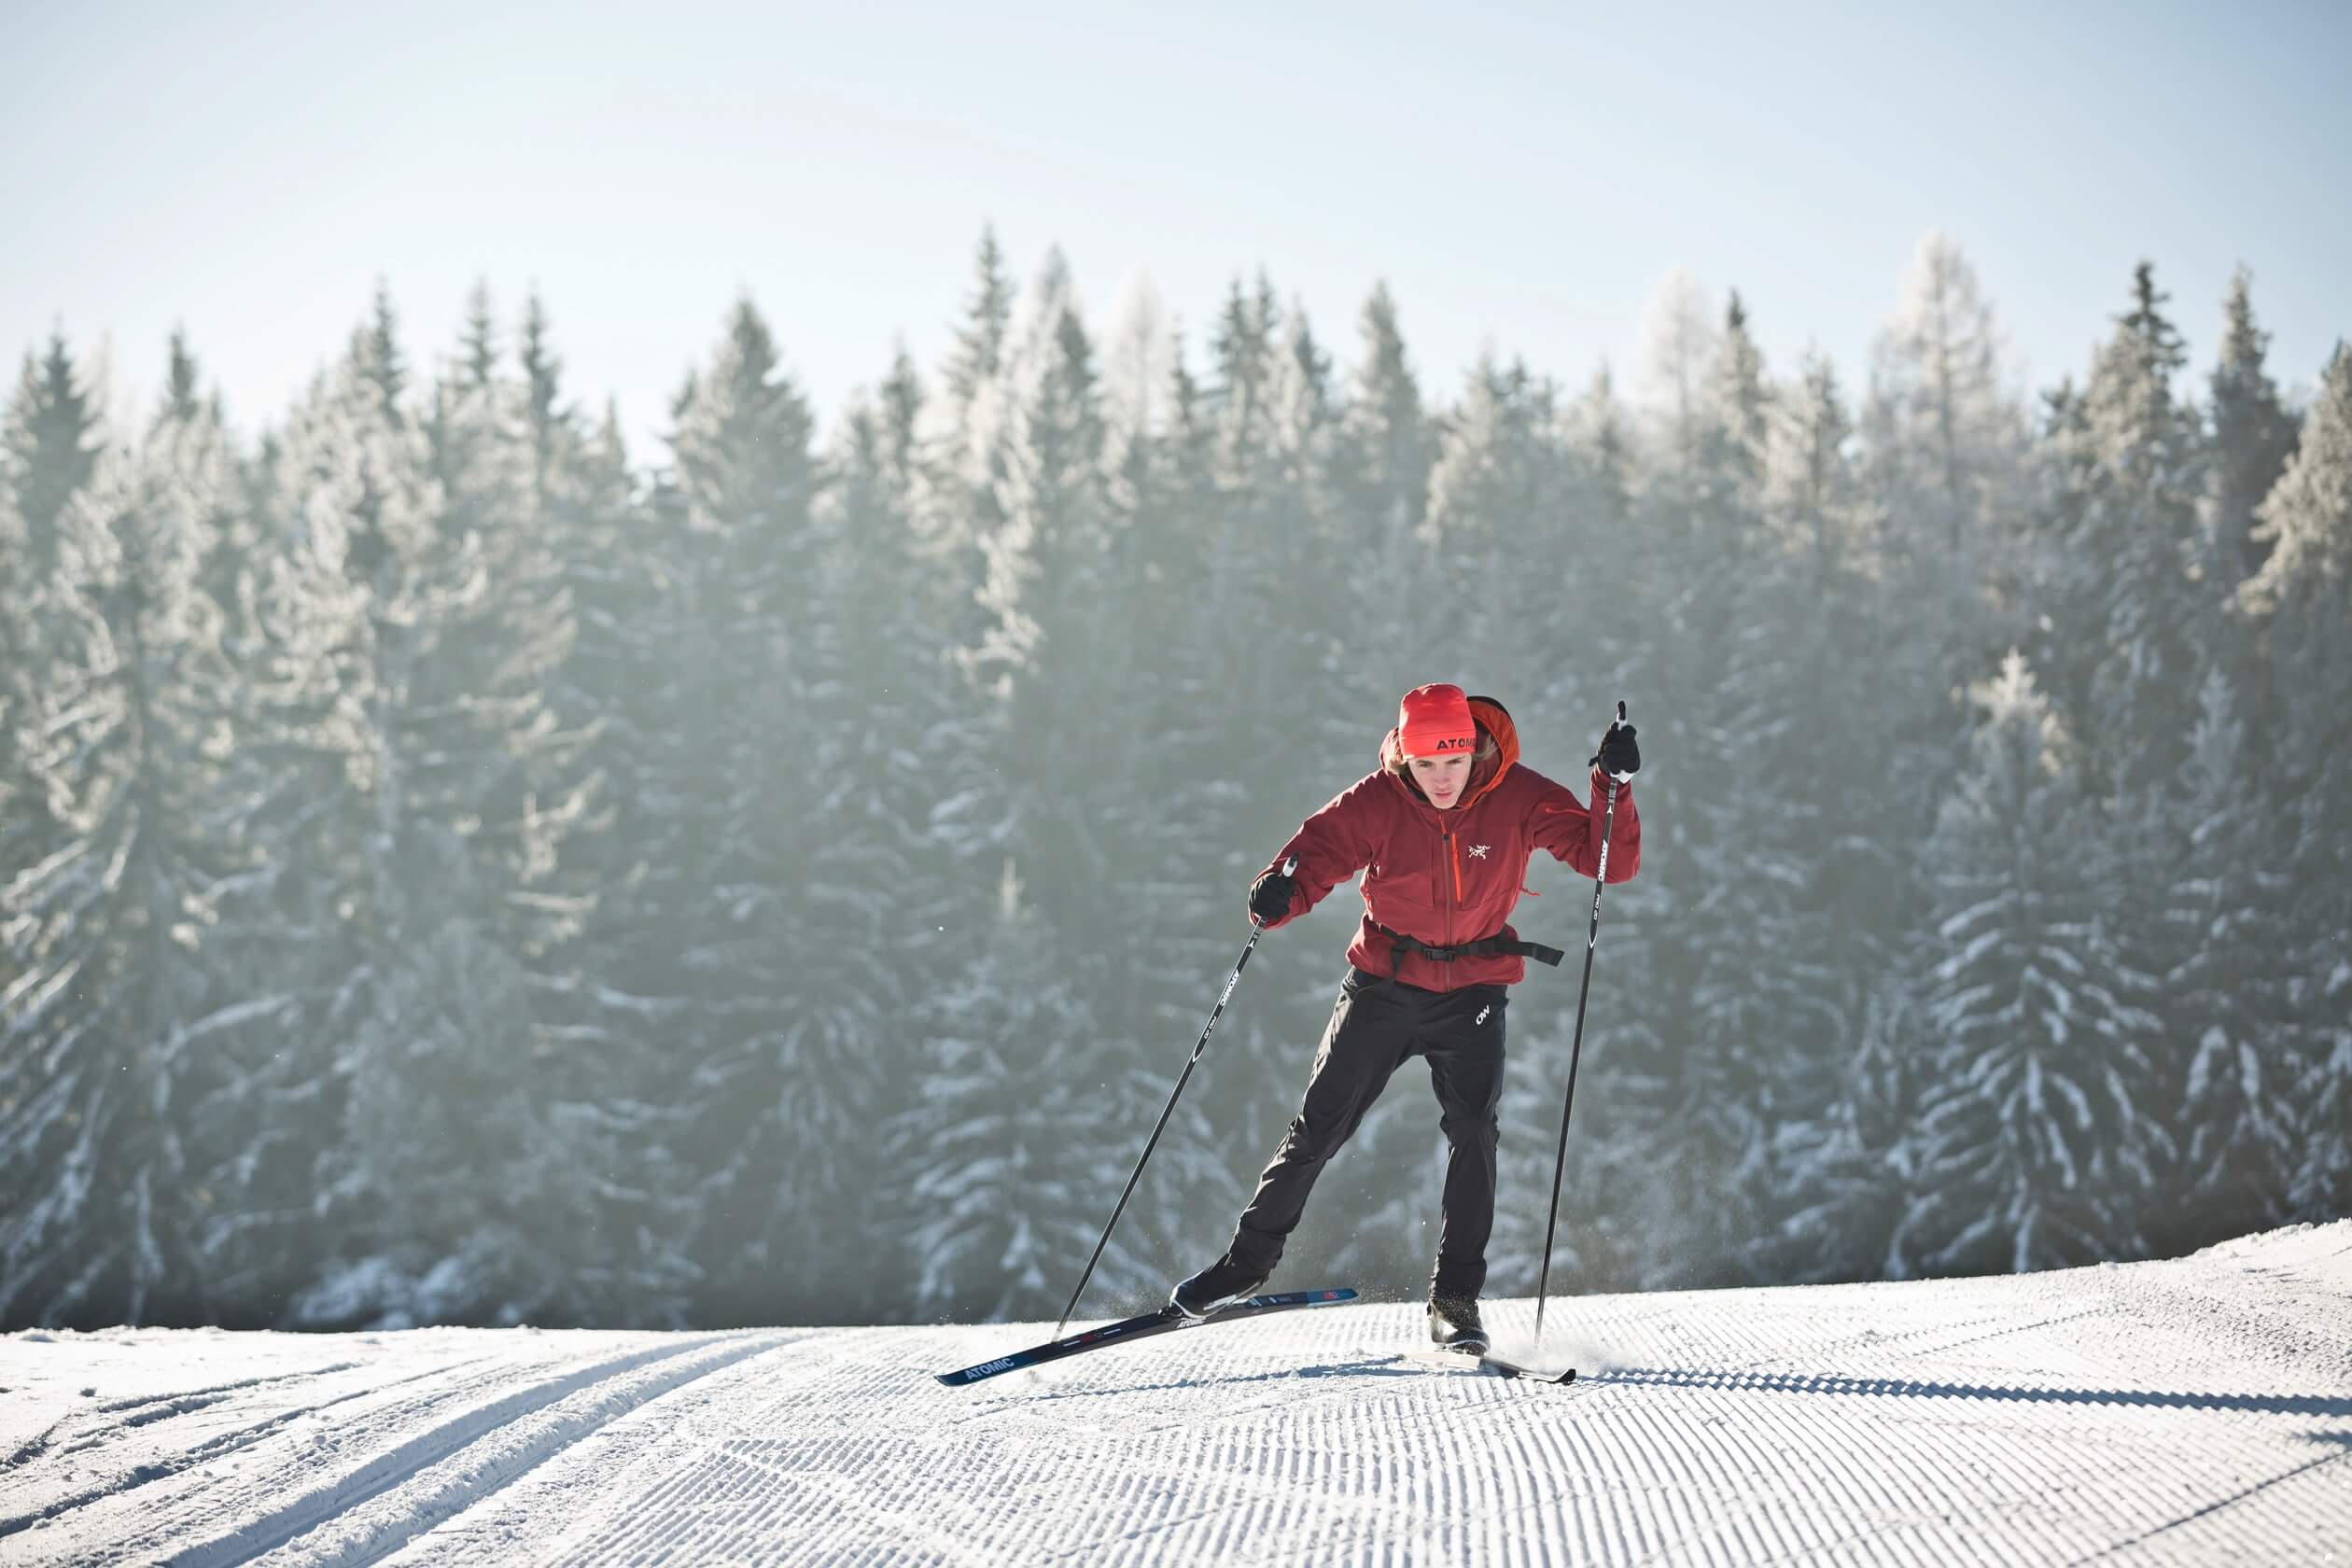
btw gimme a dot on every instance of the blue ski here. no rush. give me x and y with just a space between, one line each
1161 1322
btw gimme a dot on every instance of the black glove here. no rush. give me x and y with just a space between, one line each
1620 755
1270 897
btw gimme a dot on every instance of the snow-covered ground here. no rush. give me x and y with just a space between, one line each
2193 1411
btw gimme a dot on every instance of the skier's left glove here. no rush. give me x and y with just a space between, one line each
1620 754
1270 897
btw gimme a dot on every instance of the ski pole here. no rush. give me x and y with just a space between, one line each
1258 928
1593 937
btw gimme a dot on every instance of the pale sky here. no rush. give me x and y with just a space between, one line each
1522 175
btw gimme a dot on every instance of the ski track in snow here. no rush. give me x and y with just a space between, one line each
2190 1412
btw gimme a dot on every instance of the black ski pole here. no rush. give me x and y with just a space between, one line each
1560 1165
1256 931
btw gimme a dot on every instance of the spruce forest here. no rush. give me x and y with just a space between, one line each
453 869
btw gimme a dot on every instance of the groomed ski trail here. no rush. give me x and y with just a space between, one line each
2190 1412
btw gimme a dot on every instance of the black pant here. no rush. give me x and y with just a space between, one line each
1374 1026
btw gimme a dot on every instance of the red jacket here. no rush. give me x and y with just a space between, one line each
1452 876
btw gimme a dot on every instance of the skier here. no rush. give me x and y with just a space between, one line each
1442 833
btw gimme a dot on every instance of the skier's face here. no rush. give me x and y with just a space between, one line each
1441 778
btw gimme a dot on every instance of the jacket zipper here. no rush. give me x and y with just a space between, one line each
1453 856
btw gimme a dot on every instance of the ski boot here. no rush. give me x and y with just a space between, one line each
1454 1325
1221 1284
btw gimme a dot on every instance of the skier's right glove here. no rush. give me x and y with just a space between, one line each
1270 897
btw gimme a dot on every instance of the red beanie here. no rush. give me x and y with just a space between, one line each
1435 721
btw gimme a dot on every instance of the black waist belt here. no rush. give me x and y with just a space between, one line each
1400 944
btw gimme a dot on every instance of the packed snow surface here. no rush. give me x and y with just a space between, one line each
2190 1412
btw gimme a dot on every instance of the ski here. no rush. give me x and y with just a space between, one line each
1532 1374
1502 1367
1143 1327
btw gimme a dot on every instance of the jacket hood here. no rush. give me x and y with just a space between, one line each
1495 724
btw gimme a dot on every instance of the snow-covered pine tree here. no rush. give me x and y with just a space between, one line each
376 349
1497 502
2225 989
273 1098
2126 594
1048 557
1813 496
773 1031
135 753
1371 511
516 777
231 534
1074 777
1736 429
1598 435
1837 855
52 440
404 1104
1385 440
1725 871
1139 353
901 704
1941 450
586 1002
516 770
978 359
962 433
1941 426
2303 596
2064 475
1384 443
1305 412
1243 348
23 804
895 590
2253 435
1679 354
2040 1125
398 1126
2153 618
47 450
1942 442
1306 430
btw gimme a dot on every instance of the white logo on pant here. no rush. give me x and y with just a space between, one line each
1482 1012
